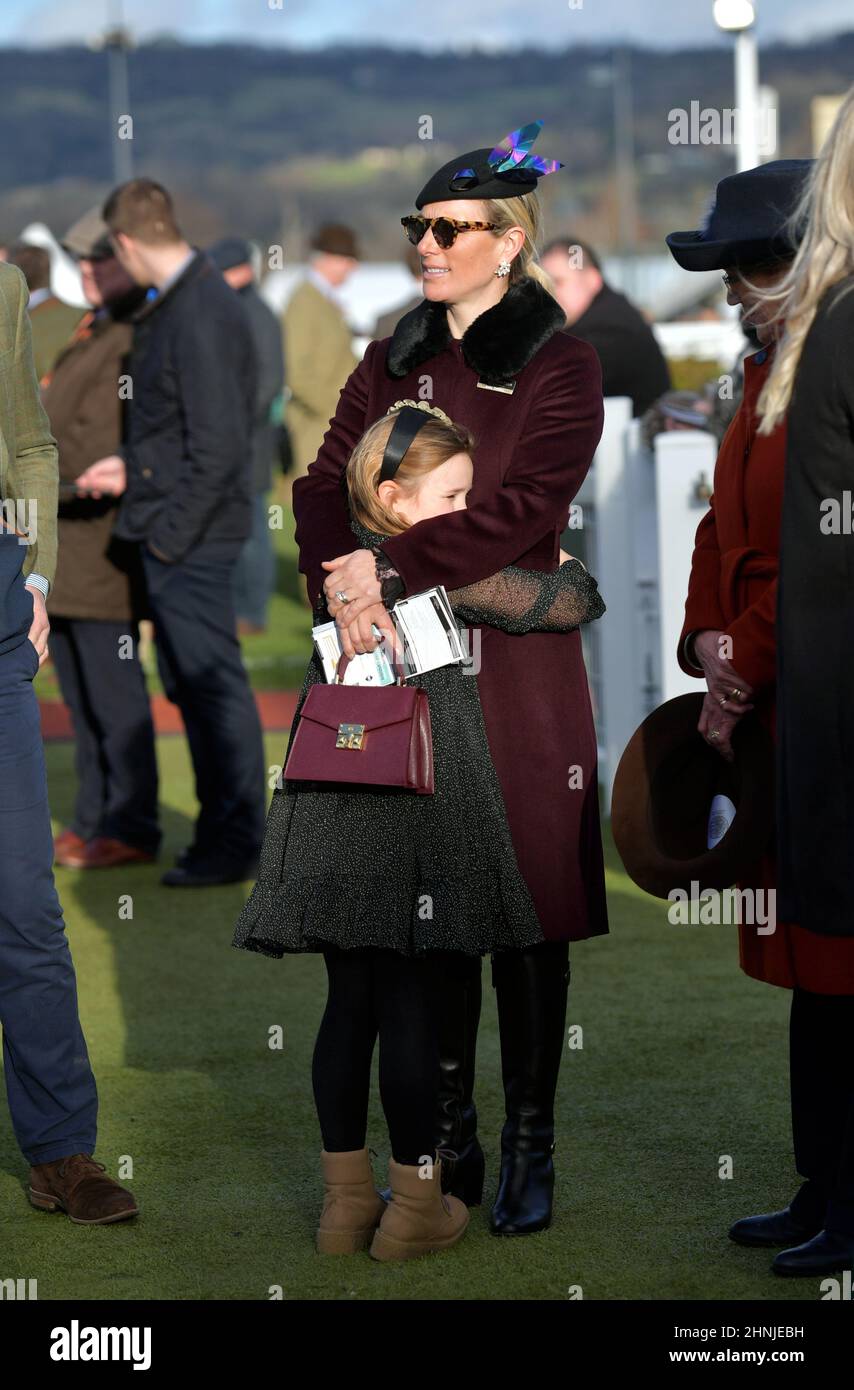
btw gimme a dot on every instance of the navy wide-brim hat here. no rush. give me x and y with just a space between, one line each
748 221
663 792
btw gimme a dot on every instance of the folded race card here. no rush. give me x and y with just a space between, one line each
366 668
427 633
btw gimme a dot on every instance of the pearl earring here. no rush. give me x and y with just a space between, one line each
503 268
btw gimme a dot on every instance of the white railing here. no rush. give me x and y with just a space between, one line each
641 509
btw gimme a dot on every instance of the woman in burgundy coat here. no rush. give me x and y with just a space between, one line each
733 592
486 346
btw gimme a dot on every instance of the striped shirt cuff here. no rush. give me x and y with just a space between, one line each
38 581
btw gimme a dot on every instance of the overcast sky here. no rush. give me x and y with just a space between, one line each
422 23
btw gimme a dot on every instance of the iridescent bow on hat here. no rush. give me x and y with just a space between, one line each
511 159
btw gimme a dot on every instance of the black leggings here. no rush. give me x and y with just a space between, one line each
376 993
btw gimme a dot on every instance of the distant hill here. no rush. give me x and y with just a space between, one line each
267 141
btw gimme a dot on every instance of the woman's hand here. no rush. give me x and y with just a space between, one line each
358 637
716 726
356 576
725 685
728 694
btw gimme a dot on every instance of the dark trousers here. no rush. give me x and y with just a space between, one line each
103 685
821 1053
396 998
255 572
49 1082
198 657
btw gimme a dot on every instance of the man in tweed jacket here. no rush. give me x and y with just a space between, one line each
52 1097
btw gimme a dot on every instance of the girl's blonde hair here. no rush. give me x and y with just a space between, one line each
825 256
436 442
524 212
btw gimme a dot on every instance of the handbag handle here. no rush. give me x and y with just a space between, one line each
344 661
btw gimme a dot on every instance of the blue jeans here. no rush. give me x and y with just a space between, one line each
52 1097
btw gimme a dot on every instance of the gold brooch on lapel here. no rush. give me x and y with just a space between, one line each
507 389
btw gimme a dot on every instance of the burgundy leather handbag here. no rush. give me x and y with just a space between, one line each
374 735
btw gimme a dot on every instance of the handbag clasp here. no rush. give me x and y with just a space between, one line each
350 736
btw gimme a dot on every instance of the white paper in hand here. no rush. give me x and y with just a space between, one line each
366 668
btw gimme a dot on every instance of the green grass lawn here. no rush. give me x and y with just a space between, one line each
683 1060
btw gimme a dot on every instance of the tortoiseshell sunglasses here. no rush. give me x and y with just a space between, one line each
445 229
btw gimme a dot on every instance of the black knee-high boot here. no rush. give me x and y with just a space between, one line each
531 991
456 1121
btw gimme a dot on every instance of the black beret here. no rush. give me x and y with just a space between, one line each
471 176
507 171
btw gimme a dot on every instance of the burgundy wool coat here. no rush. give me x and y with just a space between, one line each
533 447
733 588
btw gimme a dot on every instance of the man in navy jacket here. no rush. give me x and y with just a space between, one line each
185 471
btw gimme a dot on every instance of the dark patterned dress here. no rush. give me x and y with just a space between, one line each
352 866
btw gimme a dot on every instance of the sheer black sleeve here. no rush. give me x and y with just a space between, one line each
519 600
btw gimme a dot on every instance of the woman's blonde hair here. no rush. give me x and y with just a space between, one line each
825 256
524 212
436 442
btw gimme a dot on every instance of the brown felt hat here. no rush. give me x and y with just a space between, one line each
663 791
336 240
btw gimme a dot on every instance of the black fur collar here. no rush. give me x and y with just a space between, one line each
499 343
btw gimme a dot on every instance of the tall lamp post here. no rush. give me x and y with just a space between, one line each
738 17
618 75
117 42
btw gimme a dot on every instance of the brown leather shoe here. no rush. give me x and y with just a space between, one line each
104 853
80 1187
66 844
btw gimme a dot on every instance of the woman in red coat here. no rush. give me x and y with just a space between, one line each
733 595
486 346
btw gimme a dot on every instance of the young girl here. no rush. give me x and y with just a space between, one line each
394 888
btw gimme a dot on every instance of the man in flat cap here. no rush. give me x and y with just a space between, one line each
98 594
318 352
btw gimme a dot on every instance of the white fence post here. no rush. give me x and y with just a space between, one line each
645 510
684 459
613 565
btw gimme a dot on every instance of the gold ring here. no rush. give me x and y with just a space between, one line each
737 694
713 733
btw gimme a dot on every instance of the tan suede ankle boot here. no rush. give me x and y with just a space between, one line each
352 1207
419 1219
